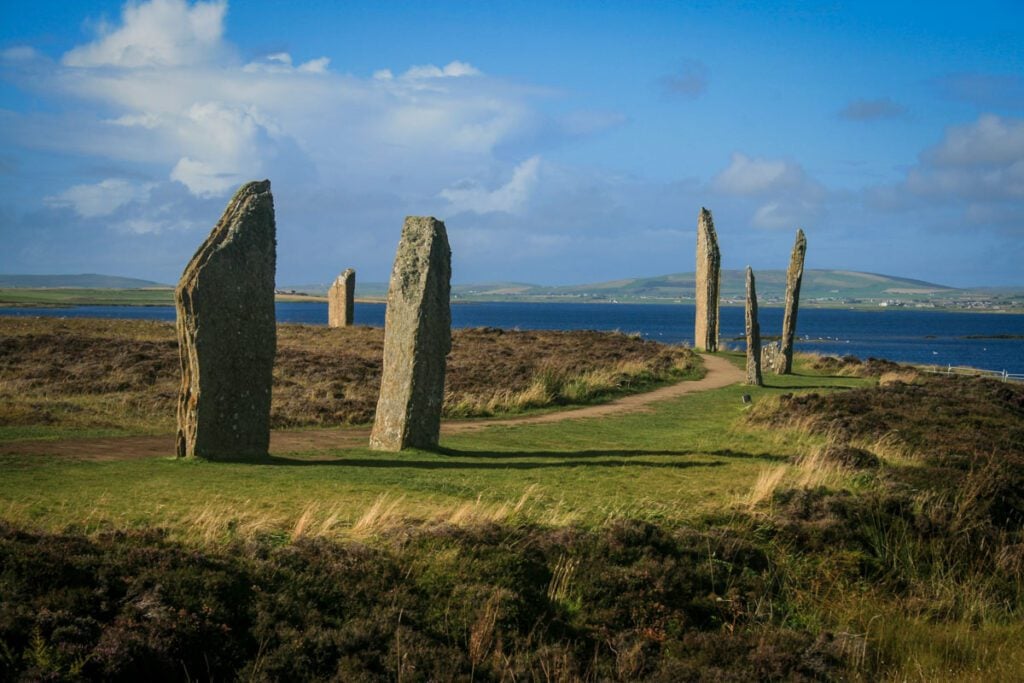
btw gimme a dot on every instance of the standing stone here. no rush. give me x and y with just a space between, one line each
794 276
708 277
770 355
417 338
753 334
227 333
341 300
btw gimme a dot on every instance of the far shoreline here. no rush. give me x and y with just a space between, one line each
49 298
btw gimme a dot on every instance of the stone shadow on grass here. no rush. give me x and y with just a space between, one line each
510 461
591 453
608 453
802 387
730 453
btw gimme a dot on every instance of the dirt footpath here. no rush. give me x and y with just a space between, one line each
719 373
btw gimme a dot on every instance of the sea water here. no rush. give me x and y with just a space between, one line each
991 341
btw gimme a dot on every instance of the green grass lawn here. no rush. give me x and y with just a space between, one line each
682 459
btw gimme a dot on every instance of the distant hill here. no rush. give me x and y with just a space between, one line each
828 288
825 285
84 281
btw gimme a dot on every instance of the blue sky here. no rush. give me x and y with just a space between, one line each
560 142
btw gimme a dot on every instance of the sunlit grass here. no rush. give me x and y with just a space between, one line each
673 463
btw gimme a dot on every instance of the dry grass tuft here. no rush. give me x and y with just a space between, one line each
384 514
768 482
807 472
905 375
215 523
560 585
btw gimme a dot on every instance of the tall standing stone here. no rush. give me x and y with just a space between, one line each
753 334
341 300
794 276
708 277
227 334
417 338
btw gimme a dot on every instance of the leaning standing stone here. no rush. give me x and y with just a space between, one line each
227 333
794 276
341 299
753 334
708 276
417 338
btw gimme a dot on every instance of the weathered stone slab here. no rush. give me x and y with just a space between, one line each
794 277
227 334
417 338
708 279
770 358
341 300
753 333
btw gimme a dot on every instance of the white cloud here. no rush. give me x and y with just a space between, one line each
454 69
977 168
146 120
753 176
151 225
1004 182
211 122
281 62
159 33
204 178
785 213
103 198
315 66
787 196
226 144
989 140
510 197
368 149
978 162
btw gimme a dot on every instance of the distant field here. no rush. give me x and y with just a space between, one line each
23 296
59 297
84 281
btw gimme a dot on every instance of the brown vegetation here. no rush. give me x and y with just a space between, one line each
947 420
851 366
632 601
124 374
